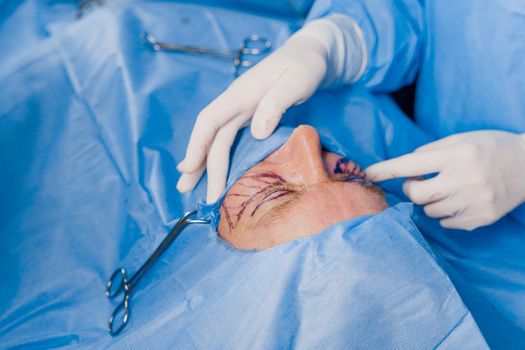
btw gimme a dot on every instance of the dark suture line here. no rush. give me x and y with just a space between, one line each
270 197
268 174
228 217
261 178
271 179
246 186
337 169
237 195
353 174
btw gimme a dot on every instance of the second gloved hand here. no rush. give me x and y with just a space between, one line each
326 52
481 177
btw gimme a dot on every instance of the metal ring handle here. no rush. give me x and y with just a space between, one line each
122 306
150 40
123 284
255 39
120 316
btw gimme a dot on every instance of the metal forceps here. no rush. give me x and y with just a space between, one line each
119 279
253 45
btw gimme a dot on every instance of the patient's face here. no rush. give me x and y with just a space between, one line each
296 191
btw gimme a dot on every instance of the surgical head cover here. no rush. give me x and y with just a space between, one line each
368 282
350 286
92 123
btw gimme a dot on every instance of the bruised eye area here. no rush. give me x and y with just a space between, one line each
343 169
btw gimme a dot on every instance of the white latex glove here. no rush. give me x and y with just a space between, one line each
326 52
481 177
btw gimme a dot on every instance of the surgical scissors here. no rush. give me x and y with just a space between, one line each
253 45
119 280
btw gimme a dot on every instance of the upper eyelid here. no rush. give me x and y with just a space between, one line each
275 213
272 191
265 186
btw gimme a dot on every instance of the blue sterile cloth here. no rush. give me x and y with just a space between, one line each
92 123
468 78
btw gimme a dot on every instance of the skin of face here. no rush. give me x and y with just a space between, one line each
296 191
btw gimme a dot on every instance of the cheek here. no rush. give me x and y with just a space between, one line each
341 201
373 198
362 200
311 214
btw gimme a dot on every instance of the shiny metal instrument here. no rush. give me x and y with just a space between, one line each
119 281
251 47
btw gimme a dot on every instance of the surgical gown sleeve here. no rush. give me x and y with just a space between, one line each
392 32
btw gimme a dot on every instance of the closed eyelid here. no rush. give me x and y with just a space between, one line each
268 184
276 213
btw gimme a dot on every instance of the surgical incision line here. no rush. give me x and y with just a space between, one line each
273 187
353 174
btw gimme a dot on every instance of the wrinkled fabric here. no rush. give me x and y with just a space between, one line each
291 8
92 124
468 57
468 77
392 32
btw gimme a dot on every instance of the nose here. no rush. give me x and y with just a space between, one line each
300 158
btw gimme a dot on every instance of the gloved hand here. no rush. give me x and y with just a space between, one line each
481 177
326 52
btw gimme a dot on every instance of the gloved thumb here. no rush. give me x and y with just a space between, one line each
266 119
292 88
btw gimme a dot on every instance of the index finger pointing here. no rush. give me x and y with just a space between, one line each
208 123
409 165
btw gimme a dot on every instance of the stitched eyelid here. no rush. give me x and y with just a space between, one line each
265 183
279 189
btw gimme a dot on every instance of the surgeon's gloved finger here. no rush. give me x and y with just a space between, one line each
208 123
293 87
462 222
442 209
200 141
409 165
187 181
268 117
219 158
422 191
441 143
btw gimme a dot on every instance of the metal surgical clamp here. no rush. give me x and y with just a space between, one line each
119 280
253 45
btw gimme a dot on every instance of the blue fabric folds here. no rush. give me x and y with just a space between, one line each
468 78
351 286
92 124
